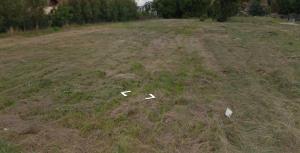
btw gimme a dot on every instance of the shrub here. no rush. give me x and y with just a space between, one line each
221 10
61 16
217 9
196 8
256 9
181 8
22 14
34 16
90 11
297 6
284 6
29 14
11 12
2 29
122 10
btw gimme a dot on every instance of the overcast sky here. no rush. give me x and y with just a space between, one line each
142 2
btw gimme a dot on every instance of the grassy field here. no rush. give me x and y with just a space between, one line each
60 92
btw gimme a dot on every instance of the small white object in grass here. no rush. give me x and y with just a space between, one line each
5 129
228 112
151 97
124 93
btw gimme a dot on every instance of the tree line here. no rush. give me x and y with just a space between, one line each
221 9
29 14
286 6
216 9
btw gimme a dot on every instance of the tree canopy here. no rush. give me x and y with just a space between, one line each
217 9
29 14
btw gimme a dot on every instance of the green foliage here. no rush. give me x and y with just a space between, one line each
2 29
122 10
11 12
256 9
166 8
167 82
221 10
217 9
22 14
61 16
5 102
91 11
181 8
29 14
34 16
286 6
297 6
7 148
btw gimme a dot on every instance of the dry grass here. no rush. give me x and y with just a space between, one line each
60 92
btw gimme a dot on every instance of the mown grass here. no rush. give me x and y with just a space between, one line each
259 73
73 79
8 148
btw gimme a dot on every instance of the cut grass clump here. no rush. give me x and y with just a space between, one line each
128 84
108 93
8 148
44 83
166 81
106 106
137 67
182 101
70 94
280 82
33 87
5 103
101 74
197 128
76 96
75 119
154 115
58 113
123 145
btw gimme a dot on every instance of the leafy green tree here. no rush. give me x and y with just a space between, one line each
76 11
22 14
166 8
89 11
181 8
221 10
197 8
217 9
62 16
29 14
256 9
34 16
122 10
12 13
285 6
2 29
99 10
297 6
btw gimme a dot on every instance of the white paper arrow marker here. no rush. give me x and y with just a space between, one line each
151 97
124 93
228 112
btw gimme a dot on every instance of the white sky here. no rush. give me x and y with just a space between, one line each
141 2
